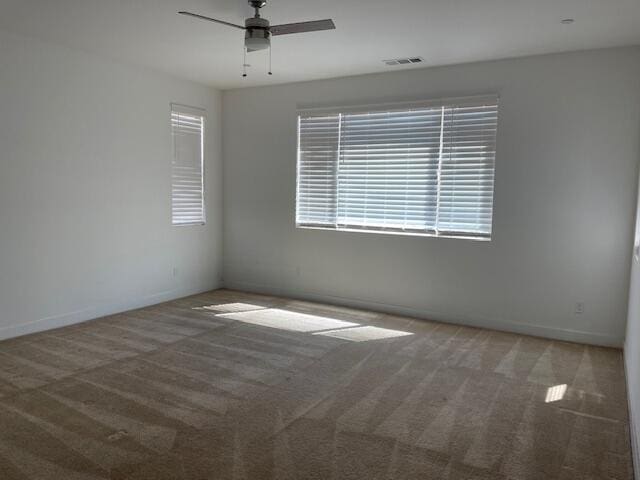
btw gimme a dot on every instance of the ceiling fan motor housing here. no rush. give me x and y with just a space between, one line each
257 36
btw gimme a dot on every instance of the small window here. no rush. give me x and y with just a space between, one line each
187 167
422 168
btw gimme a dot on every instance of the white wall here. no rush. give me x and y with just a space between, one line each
566 174
632 346
85 152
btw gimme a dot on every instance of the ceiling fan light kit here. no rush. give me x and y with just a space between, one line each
257 36
258 30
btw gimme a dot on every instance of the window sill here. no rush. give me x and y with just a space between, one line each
198 224
396 232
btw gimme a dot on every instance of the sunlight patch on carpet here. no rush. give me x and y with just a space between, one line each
555 394
291 321
231 307
364 334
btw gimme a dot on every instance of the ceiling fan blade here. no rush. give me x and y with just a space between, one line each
202 17
302 27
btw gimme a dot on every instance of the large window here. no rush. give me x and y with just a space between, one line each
420 168
187 175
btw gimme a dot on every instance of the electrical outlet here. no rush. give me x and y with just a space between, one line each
579 310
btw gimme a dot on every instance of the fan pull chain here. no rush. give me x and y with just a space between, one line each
270 60
244 62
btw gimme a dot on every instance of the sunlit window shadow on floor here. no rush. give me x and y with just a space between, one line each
555 394
363 334
305 323
286 320
231 307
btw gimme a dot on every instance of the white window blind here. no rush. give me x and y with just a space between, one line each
187 175
421 168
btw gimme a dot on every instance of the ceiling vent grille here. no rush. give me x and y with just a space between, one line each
403 61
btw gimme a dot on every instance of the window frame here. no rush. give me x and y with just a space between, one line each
396 106
200 112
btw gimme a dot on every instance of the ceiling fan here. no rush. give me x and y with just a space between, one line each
258 31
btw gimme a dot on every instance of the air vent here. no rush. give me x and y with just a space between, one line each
403 61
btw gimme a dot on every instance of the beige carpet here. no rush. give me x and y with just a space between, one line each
227 385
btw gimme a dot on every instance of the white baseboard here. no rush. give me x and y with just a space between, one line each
492 324
635 444
111 308
633 425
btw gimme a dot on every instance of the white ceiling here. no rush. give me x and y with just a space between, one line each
150 33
